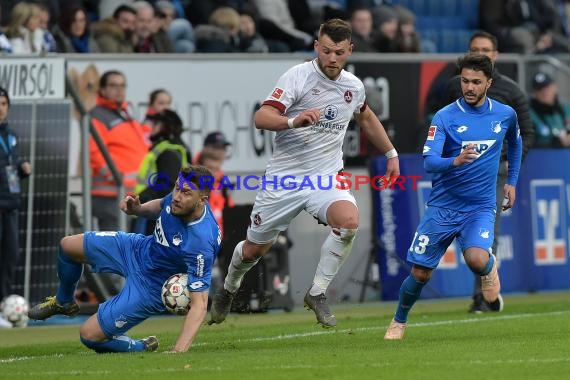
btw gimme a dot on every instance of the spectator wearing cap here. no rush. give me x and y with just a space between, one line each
551 117
160 167
13 169
213 156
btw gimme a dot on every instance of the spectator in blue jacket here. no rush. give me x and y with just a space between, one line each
12 169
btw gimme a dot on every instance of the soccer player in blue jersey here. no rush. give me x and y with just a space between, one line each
462 152
186 239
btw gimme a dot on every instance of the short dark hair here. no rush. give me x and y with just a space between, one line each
483 34
194 173
123 8
4 93
476 62
338 30
105 77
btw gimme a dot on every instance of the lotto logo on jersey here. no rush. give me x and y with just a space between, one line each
548 226
431 132
277 93
481 146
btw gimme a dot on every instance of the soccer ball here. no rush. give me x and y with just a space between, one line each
15 310
175 294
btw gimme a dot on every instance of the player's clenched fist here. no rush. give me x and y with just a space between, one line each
129 205
307 117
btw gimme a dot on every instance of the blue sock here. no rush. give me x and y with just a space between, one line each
69 273
121 343
409 293
488 266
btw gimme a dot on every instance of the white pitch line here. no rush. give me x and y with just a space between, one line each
419 324
359 329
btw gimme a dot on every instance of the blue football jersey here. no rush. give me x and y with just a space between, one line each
470 186
180 247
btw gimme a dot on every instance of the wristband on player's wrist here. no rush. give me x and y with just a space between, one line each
290 123
391 153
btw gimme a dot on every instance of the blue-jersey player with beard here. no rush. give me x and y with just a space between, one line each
462 151
186 240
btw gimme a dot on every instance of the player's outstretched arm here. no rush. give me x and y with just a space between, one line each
271 119
132 206
193 321
377 135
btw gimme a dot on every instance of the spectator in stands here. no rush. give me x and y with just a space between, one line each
524 26
506 91
73 32
551 117
106 8
124 138
250 40
13 170
50 43
385 20
149 37
362 28
213 156
5 45
180 31
221 35
408 38
276 23
116 34
159 101
167 156
23 30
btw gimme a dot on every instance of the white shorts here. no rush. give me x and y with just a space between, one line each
274 209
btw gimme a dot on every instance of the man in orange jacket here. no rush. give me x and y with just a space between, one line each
124 138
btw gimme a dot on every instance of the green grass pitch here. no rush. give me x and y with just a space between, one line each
530 339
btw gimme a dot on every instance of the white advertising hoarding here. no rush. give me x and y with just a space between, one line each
33 78
215 94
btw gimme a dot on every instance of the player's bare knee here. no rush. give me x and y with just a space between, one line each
253 252
89 334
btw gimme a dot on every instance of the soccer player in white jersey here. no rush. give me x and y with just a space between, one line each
462 151
310 109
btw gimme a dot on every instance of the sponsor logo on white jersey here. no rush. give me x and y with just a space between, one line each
331 111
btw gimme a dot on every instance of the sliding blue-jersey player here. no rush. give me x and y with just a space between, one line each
186 239
462 152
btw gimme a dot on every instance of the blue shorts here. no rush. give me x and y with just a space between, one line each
115 252
438 228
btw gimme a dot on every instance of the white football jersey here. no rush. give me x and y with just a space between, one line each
316 149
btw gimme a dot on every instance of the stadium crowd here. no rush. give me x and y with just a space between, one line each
259 26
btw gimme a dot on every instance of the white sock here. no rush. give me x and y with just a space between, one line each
237 269
334 251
